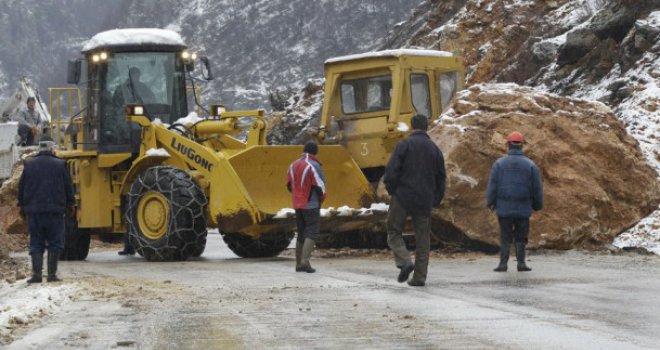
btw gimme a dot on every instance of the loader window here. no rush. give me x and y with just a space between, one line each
366 94
448 87
154 79
419 86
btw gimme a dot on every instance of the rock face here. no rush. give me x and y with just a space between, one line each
596 180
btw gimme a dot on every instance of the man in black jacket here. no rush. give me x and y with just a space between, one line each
45 192
415 178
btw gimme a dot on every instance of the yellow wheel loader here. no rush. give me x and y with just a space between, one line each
143 165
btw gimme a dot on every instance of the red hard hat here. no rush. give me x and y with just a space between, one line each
515 137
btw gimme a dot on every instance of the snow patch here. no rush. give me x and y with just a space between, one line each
22 304
133 36
285 213
391 53
190 119
157 152
403 127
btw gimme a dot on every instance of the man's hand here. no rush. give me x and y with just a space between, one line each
34 130
71 211
21 212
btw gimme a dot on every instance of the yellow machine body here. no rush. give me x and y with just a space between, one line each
369 99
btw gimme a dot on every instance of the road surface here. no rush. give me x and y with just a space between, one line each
570 300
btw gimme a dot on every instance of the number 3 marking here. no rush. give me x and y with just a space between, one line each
365 150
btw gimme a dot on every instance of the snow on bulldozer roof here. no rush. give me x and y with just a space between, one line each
391 53
133 36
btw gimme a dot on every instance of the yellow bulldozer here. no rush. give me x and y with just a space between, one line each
370 98
143 165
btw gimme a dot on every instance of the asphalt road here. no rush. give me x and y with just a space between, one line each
569 301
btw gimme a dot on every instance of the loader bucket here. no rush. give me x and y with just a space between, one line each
263 171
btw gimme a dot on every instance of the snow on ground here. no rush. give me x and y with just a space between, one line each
21 304
646 234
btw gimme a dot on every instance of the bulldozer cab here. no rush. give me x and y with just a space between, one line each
370 98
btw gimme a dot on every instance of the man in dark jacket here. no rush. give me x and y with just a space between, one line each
45 192
415 178
514 190
306 182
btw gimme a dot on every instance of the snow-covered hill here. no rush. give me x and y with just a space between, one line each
256 46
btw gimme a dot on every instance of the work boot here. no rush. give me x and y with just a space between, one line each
52 267
126 252
405 272
415 283
37 266
299 250
307 249
504 258
520 256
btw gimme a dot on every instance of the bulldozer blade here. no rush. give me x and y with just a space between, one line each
263 172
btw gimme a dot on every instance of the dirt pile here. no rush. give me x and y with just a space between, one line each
597 182
10 220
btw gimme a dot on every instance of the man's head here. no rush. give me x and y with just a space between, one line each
46 146
31 102
515 140
311 148
134 73
419 122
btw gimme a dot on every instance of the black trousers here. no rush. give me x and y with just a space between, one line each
308 222
513 228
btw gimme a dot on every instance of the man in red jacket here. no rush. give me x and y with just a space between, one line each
306 183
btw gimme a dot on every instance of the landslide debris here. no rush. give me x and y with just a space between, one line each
597 182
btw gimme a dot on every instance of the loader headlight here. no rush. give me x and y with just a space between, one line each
99 57
185 55
193 56
217 110
134 109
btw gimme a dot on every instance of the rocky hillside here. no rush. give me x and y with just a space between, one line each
256 47
603 50
38 37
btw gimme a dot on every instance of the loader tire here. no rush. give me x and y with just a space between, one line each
165 215
267 246
76 242
199 248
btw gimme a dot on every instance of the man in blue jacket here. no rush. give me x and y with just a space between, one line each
514 190
45 193
415 178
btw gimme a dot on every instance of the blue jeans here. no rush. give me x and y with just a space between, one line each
46 232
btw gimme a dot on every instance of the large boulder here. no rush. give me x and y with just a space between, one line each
10 220
597 182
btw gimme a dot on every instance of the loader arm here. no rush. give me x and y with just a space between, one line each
229 206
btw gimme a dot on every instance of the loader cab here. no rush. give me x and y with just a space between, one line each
132 66
370 98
